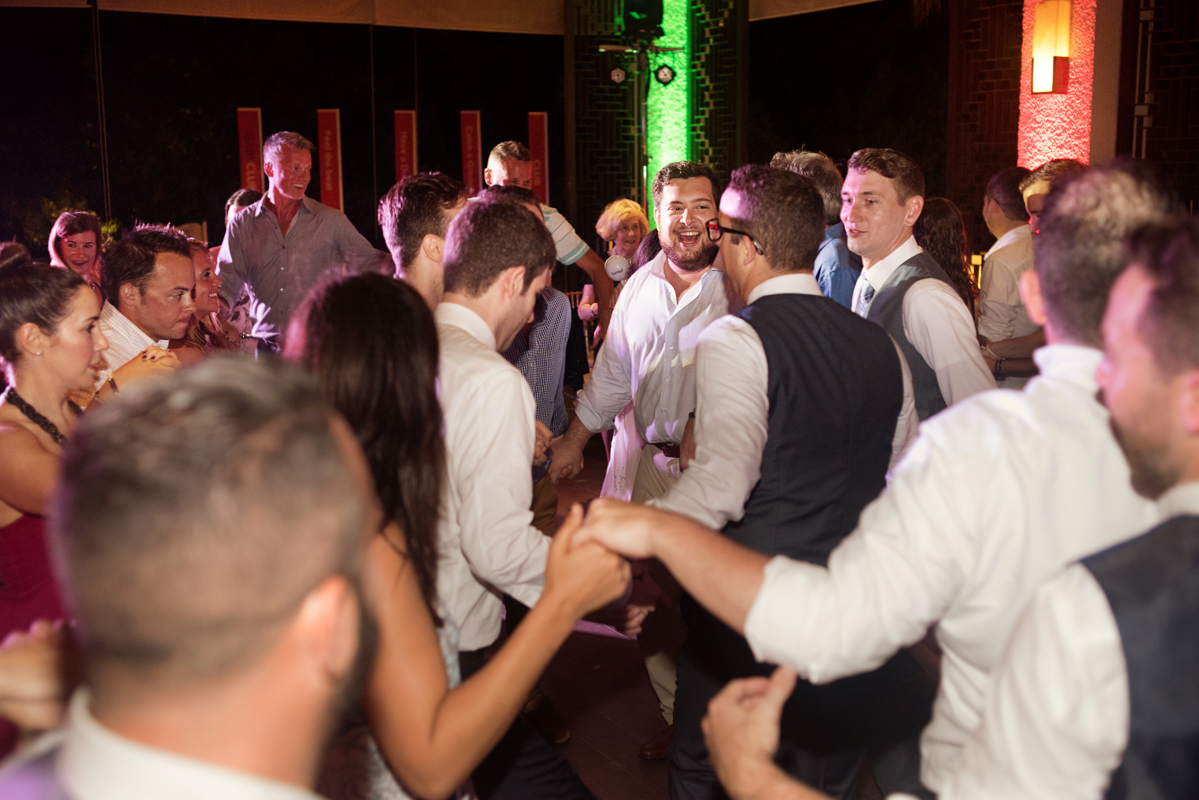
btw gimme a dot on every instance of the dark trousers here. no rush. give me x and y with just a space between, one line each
826 731
523 765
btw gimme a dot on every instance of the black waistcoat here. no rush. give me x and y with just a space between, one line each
1152 585
835 389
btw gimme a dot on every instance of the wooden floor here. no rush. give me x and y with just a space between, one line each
597 682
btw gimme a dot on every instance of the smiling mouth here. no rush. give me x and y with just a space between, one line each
688 238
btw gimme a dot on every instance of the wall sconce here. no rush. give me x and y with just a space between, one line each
1051 47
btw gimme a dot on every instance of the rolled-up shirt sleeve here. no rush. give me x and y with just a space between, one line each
731 418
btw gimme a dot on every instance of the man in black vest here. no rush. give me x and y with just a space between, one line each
803 395
903 288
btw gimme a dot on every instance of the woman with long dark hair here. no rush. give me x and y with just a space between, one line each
941 231
372 343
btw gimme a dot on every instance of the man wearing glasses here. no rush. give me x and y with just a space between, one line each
649 359
798 400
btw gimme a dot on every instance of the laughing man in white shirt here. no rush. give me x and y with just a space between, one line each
996 495
497 259
903 288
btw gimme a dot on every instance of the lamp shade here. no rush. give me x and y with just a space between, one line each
1051 47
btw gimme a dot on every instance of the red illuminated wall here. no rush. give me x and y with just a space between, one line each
1058 125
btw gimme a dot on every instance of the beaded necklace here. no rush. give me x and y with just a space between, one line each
36 417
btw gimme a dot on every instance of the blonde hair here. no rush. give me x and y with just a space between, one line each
616 213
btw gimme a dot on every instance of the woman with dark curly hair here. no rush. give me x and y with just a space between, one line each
941 231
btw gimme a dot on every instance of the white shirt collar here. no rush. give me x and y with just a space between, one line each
791 283
97 764
1074 363
1011 237
880 272
1181 499
460 316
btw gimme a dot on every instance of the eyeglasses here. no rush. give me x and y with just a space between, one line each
716 230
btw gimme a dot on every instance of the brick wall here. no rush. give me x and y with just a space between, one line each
719 90
1168 129
984 102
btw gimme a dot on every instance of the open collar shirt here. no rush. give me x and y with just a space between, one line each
86 761
733 410
487 544
280 269
936 322
997 494
649 353
1057 716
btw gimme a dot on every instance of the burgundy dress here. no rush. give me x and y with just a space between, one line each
28 590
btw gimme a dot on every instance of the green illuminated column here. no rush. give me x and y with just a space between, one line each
667 135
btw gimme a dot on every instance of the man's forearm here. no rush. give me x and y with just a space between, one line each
594 267
577 435
720 574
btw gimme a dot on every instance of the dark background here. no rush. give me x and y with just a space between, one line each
833 81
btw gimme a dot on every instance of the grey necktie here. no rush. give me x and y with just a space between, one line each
864 303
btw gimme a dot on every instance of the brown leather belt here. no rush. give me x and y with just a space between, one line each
669 449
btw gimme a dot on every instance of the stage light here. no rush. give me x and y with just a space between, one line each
618 75
1051 47
664 74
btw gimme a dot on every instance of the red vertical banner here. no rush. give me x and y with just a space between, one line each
405 144
328 132
539 134
249 148
472 152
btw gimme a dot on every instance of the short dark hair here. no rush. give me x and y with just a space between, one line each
1079 252
33 293
1169 323
277 141
1004 189
70 223
647 251
900 168
681 170
372 344
414 208
1049 172
131 258
823 173
488 238
509 150
242 198
786 215
510 194
14 254
196 512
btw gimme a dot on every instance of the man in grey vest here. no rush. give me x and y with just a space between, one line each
1097 689
903 288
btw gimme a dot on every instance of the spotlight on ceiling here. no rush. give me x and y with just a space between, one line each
664 74
617 75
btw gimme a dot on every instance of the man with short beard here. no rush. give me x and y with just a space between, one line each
649 359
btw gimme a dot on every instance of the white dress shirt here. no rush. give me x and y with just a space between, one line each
996 494
937 323
1001 311
86 761
125 340
487 544
649 354
1057 716
733 410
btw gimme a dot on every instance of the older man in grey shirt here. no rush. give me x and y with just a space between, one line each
280 246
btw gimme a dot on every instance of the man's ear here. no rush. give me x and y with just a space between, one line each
487 175
328 626
129 293
1190 401
31 340
433 246
515 280
912 208
1030 293
269 169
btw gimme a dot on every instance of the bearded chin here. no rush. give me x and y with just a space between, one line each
1152 474
691 262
